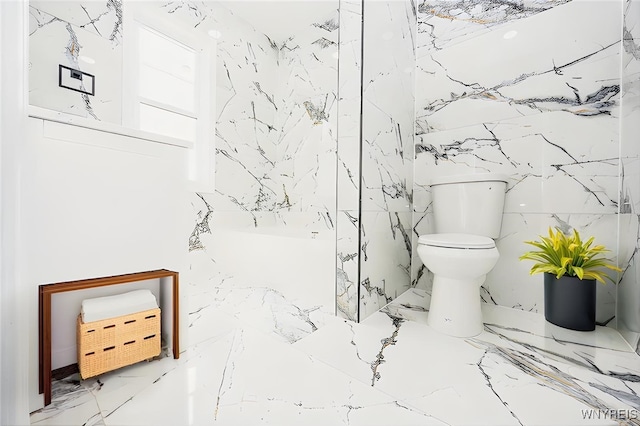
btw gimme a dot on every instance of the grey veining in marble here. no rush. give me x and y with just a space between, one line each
202 225
449 22
384 343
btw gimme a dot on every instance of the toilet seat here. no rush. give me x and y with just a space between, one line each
457 241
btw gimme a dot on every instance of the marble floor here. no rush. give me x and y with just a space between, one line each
255 357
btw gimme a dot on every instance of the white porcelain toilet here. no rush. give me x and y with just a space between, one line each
467 217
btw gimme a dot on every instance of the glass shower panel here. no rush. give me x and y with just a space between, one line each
387 152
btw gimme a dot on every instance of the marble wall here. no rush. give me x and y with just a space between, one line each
629 287
532 91
276 136
85 36
275 153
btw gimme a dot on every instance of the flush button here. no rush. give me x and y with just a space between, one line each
76 80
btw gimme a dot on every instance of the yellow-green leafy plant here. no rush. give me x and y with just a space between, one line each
561 254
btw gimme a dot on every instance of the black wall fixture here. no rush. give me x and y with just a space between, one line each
76 80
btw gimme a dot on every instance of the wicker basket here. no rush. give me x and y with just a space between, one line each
115 342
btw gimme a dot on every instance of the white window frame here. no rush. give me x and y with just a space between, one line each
200 158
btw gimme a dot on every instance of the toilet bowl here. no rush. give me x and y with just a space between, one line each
459 263
467 214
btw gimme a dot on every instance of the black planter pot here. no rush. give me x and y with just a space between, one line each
570 302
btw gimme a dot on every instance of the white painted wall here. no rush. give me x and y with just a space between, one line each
14 341
97 204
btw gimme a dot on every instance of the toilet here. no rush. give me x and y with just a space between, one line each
467 218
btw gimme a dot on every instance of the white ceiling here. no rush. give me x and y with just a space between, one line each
282 18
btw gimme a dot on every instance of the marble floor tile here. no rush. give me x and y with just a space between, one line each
251 378
72 403
415 364
496 375
96 398
270 310
241 369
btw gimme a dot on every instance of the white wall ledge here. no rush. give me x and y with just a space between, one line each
60 117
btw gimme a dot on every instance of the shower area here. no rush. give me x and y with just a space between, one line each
310 215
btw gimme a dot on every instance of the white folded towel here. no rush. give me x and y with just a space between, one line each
100 308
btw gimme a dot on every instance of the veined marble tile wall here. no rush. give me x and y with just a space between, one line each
277 118
387 157
73 34
531 91
629 288
275 160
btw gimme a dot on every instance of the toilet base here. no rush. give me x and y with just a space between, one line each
455 307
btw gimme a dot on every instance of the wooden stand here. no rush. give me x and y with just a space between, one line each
44 318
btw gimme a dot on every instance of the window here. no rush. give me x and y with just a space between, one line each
168 82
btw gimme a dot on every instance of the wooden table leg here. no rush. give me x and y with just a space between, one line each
46 355
40 343
176 317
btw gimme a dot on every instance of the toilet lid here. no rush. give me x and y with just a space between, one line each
467 241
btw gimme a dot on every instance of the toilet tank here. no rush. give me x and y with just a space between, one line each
469 204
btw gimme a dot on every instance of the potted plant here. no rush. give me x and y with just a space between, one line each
571 268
